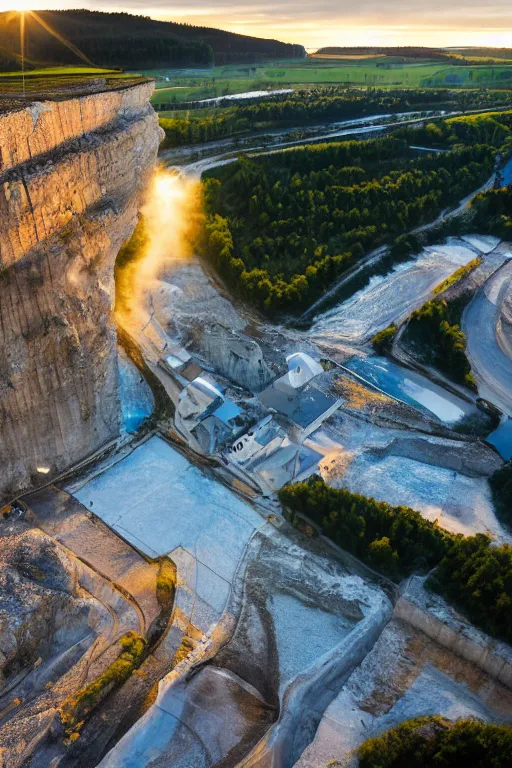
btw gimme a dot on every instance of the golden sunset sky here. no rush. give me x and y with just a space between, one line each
325 22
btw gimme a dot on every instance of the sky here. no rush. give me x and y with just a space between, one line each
325 22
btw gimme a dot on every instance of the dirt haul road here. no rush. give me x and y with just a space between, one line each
491 366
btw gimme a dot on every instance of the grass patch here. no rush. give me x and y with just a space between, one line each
166 584
458 275
47 71
76 708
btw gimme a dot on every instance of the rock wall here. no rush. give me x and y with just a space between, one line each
72 174
235 355
429 613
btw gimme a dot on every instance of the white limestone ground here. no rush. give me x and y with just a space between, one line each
407 469
162 504
392 297
459 503
482 243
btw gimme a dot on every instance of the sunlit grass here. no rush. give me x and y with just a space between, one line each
62 71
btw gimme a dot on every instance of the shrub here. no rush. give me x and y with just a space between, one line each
458 275
427 742
76 708
166 583
383 341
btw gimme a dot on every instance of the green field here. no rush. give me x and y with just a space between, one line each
383 71
70 71
58 82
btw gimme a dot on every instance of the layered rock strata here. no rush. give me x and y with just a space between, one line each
72 176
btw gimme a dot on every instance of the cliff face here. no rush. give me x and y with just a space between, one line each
72 174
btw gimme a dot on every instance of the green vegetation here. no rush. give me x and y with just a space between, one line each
501 486
78 706
435 335
301 108
125 40
492 212
433 742
389 71
394 540
196 131
383 341
471 573
458 275
282 227
166 583
492 128
58 82
476 577
61 71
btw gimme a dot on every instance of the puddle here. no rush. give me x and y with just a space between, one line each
410 388
501 438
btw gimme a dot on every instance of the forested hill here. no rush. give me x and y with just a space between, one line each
123 40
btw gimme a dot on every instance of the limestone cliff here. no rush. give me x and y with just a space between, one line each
72 174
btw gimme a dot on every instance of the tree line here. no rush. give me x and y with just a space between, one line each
492 128
437 339
280 228
492 212
469 572
501 486
318 105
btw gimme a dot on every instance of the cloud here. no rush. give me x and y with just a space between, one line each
342 22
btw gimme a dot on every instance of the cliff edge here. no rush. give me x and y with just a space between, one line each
72 176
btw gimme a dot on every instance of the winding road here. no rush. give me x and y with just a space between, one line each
491 366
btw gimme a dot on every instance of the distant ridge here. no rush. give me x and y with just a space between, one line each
127 41
460 55
411 52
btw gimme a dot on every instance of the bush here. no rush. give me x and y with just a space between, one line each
76 708
458 275
166 584
427 742
383 341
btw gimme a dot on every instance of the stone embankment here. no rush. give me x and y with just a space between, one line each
72 176
429 613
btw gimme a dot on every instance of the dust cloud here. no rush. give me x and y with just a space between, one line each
169 223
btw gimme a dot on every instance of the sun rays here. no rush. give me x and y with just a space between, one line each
25 14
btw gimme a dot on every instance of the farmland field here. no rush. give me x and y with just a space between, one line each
384 71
